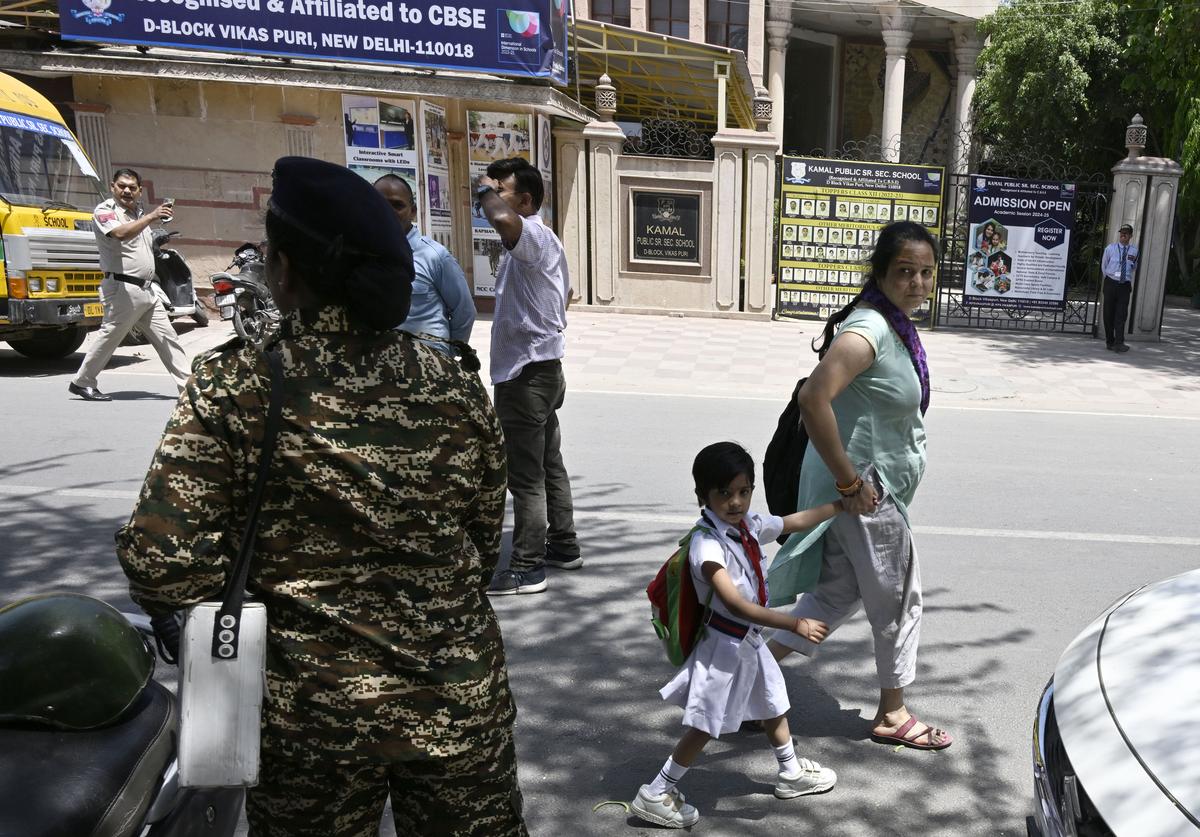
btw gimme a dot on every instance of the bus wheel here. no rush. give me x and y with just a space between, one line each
50 345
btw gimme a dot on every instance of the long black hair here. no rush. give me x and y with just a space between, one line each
891 239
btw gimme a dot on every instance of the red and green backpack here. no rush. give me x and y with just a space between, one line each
675 612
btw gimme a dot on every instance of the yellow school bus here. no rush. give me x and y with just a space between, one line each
50 285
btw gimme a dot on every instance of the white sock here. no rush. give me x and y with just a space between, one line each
786 754
667 778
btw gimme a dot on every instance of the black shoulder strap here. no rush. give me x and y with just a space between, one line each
227 625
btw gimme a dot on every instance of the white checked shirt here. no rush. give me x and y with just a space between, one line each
532 285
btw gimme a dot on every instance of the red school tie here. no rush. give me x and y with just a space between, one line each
750 546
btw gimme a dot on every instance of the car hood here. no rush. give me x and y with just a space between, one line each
1126 692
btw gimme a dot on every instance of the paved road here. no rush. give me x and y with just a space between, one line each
1039 508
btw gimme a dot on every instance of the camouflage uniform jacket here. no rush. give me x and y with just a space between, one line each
379 532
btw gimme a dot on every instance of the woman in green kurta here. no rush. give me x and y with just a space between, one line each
863 408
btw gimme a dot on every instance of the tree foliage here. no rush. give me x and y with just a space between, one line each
1063 79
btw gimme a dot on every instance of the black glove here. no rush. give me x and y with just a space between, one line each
166 636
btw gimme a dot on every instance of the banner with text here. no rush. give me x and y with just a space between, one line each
830 213
1019 239
380 138
508 37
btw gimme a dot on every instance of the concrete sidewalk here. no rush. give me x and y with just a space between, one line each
693 356
744 358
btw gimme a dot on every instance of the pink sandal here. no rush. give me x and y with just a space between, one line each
904 736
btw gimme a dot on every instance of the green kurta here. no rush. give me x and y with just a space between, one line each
879 422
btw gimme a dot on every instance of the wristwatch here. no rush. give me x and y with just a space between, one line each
483 190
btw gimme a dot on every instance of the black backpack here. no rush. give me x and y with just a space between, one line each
785 455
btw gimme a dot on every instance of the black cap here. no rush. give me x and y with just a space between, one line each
363 241
1125 228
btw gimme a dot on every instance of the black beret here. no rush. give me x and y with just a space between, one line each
368 260
325 201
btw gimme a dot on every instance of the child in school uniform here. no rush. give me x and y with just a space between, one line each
730 676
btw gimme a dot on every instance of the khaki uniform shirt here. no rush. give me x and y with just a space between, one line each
378 535
134 257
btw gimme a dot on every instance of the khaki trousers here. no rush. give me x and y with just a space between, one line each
126 306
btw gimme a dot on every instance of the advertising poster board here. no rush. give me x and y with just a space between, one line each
1019 237
381 138
508 37
436 219
491 136
830 213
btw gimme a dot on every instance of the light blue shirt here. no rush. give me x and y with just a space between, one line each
441 300
532 287
1111 263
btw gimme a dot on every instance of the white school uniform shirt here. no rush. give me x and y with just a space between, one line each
727 680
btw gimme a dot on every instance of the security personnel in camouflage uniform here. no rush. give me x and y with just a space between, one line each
378 535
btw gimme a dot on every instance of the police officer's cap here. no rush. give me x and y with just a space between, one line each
336 207
1126 228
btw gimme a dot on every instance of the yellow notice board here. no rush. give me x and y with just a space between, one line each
830 213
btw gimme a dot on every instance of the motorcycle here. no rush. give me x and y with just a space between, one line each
244 297
87 737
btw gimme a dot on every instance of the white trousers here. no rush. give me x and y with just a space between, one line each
869 561
126 306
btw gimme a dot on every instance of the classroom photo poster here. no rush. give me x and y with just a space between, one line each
436 201
1019 239
498 136
380 136
487 248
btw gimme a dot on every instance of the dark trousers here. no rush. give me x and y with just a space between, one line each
1116 310
541 490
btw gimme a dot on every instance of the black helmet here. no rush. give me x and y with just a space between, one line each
69 661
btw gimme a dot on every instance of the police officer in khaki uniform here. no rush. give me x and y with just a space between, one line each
127 259
378 533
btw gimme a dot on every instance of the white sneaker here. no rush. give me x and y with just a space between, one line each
668 810
812 779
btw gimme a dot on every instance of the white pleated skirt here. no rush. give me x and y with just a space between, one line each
727 681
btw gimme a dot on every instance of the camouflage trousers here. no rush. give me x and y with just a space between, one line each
472 794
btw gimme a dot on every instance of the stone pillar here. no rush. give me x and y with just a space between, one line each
754 41
1145 190
779 32
572 195
726 226
966 52
897 32
605 140
759 207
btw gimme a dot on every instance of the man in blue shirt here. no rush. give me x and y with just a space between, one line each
441 300
1118 264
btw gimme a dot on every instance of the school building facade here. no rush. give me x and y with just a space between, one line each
660 151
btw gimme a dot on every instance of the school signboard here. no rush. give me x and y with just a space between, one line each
665 227
830 213
1019 237
507 37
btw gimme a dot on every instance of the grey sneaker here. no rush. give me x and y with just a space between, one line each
812 779
669 810
517 582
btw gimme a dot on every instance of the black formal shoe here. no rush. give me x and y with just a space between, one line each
1120 347
88 393
1109 346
